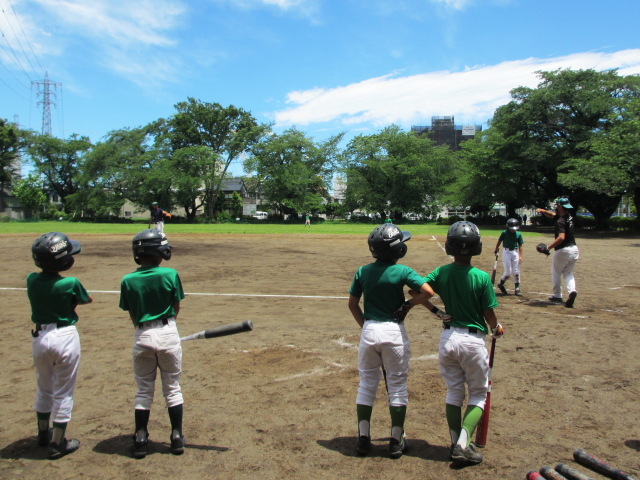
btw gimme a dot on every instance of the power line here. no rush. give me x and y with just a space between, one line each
19 42
25 36
11 73
13 90
14 55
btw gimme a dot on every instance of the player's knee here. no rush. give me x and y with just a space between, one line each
455 396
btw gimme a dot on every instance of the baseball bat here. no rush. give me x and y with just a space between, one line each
599 466
534 476
231 329
571 473
550 474
483 426
493 274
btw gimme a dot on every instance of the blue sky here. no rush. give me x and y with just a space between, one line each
325 66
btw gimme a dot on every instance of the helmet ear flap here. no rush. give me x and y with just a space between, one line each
165 252
67 264
400 251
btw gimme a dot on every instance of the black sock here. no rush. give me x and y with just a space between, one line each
175 417
142 419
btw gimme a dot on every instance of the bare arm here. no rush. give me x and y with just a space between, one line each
497 247
90 300
490 317
546 213
356 311
557 241
176 307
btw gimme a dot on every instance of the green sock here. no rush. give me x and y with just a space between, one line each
517 285
364 418
471 419
454 420
43 420
58 432
398 414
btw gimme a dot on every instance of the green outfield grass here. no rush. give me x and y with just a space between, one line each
326 228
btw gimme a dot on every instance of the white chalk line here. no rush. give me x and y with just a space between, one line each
445 252
221 294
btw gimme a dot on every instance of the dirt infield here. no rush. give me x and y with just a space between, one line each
279 402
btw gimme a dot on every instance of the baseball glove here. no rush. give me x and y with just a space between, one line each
542 248
167 215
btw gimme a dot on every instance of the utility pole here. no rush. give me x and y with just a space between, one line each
46 102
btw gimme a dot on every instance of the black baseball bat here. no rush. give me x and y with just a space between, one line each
598 465
493 274
231 329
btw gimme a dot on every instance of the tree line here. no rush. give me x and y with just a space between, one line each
576 134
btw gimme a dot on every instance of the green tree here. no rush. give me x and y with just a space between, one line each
236 204
60 162
9 157
395 171
614 169
293 171
522 159
225 133
30 192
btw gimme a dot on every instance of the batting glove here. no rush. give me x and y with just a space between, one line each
497 331
444 316
496 251
401 313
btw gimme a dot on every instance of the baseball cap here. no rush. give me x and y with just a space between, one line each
563 201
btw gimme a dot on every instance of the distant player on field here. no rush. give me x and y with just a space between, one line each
511 254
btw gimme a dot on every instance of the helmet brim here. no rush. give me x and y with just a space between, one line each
406 236
75 247
513 228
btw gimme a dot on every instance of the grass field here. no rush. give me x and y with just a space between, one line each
230 228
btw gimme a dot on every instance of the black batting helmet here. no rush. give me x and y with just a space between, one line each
463 239
54 251
387 242
150 243
513 224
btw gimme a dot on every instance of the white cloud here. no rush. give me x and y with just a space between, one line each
457 4
474 93
283 4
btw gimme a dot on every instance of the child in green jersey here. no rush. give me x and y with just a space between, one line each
511 254
55 344
152 296
469 298
384 344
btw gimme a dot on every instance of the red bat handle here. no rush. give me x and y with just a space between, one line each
483 426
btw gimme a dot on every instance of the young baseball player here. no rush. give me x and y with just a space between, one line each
55 344
511 254
384 343
469 298
152 296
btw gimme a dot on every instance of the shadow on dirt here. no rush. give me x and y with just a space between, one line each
25 448
379 448
122 445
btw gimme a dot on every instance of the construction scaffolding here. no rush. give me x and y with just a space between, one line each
444 131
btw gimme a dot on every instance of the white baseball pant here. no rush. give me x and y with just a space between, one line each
383 344
56 354
157 346
463 358
562 265
511 264
159 226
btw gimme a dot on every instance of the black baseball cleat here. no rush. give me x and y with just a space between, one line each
140 447
502 289
363 446
44 437
177 445
571 299
555 299
65 447
397 448
518 292
467 455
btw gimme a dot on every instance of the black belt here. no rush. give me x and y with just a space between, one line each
165 321
38 328
512 249
471 329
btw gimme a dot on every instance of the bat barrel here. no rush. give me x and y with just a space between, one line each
571 473
232 329
598 465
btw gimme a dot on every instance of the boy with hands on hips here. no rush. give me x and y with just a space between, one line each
384 343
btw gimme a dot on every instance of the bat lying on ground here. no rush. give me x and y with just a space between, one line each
231 329
599 466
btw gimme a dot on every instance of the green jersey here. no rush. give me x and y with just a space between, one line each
382 284
511 240
388 220
466 293
150 292
53 298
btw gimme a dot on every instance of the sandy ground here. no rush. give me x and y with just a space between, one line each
279 402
